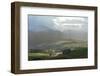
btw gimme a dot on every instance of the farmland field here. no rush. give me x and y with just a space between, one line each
78 50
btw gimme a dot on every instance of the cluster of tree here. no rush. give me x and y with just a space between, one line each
66 51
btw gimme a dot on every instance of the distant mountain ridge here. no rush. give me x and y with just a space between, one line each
52 36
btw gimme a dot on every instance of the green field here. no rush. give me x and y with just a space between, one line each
78 52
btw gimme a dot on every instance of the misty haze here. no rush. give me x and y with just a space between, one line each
57 37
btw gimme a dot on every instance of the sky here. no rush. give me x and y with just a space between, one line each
64 23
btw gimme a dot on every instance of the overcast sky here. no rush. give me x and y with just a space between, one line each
43 23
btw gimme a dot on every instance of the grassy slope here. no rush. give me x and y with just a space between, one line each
81 52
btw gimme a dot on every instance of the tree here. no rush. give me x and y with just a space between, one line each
66 51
